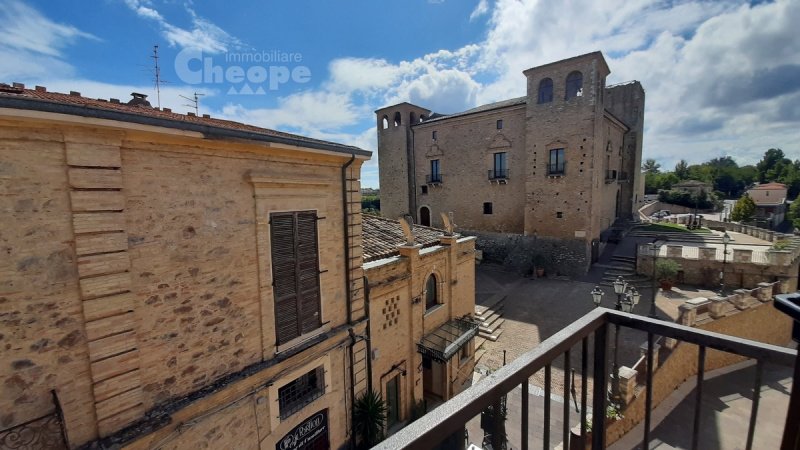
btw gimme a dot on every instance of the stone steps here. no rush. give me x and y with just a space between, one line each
490 318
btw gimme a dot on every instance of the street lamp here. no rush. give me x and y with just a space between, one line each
627 298
597 295
726 239
655 246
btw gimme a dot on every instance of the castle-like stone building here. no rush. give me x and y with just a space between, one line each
547 173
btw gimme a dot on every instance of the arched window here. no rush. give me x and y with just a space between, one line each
546 91
397 119
425 216
423 118
431 296
574 85
385 122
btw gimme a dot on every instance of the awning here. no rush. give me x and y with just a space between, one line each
448 339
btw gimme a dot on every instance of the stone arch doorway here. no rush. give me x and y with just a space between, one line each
425 216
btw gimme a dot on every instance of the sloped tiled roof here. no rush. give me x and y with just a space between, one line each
381 236
478 109
770 186
39 99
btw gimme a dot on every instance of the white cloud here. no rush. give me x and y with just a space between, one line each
480 10
203 34
31 45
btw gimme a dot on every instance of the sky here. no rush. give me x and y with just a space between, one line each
722 78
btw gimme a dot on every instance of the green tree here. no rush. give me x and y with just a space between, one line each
744 209
682 170
651 166
772 165
794 213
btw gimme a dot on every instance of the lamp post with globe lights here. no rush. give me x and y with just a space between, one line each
627 298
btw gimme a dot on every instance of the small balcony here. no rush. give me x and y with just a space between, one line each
557 169
434 178
611 176
499 175
582 349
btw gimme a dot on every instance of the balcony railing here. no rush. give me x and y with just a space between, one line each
555 170
498 174
611 175
435 178
449 420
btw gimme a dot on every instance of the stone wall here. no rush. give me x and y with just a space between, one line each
759 321
517 252
399 319
137 281
742 267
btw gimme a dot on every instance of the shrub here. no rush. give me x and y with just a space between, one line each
666 269
369 417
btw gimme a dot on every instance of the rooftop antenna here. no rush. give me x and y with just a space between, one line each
195 102
157 73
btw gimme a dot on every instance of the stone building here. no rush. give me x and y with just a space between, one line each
770 200
176 282
548 172
421 298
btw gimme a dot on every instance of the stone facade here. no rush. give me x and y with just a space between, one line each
574 197
137 276
399 320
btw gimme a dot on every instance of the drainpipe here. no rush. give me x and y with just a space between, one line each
369 335
345 228
352 386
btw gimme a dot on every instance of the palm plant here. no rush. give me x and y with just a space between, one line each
369 417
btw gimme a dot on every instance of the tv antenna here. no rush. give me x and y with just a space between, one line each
157 75
195 102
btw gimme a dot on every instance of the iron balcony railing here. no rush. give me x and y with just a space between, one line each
448 421
435 178
557 169
498 174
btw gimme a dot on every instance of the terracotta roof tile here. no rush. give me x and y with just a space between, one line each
766 186
76 100
381 236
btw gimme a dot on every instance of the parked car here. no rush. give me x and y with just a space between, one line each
664 213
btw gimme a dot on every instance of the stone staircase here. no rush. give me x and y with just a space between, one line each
624 266
490 319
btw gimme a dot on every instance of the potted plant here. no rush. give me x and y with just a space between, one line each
369 418
539 263
666 269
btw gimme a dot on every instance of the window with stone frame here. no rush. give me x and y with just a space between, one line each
300 392
556 164
431 294
545 91
295 274
574 86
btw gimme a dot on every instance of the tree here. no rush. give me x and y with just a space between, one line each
651 166
794 213
682 170
369 416
744 209
772 165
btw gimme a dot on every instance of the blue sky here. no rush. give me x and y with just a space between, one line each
722 77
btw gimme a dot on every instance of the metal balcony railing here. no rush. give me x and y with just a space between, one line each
448 420
498 174
435 178
558 169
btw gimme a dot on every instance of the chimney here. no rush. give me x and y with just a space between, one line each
139 100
